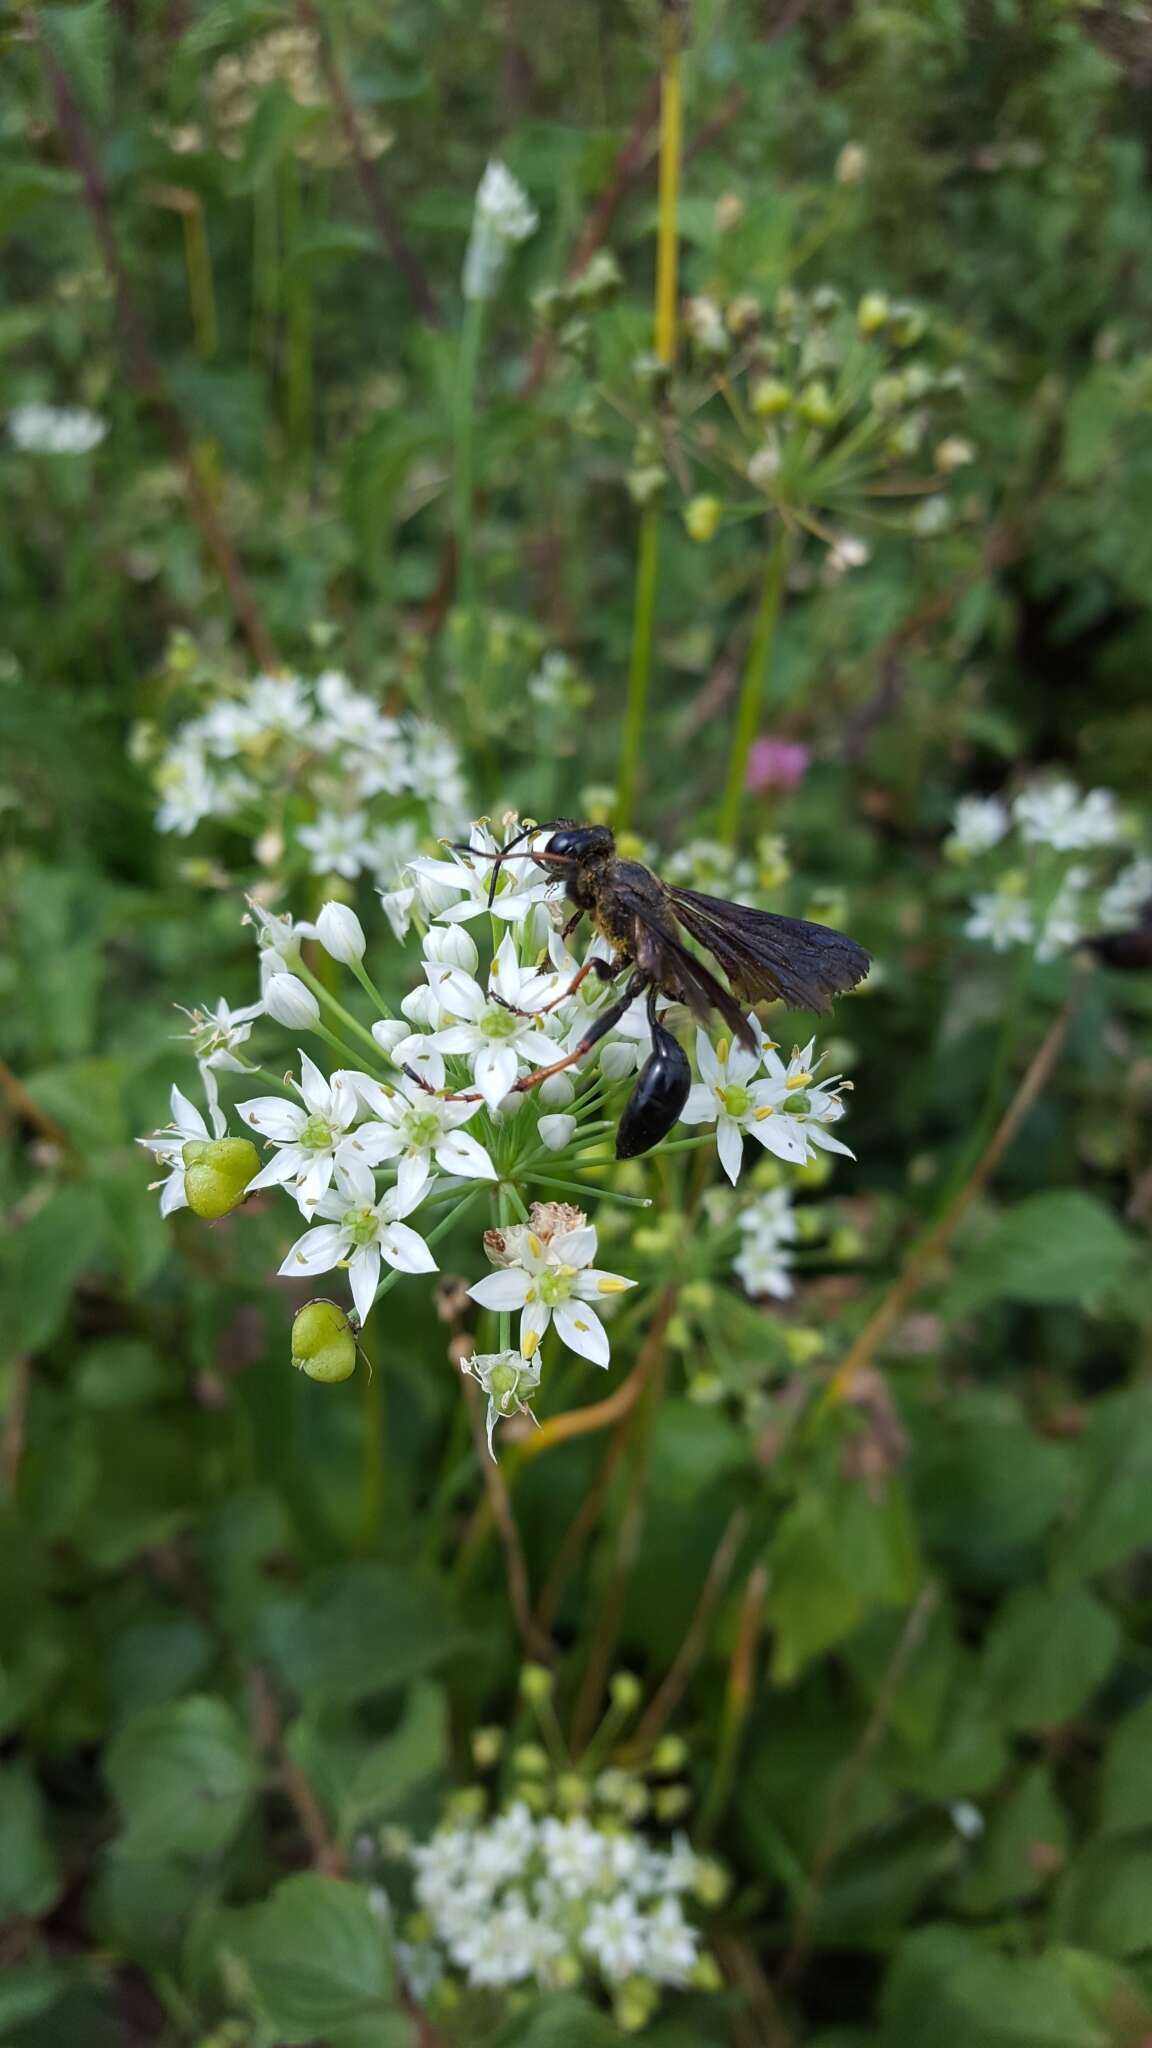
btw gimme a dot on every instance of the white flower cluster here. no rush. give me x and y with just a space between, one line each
503 216
370 786
556 1902
39 429
769 1228
1048 900
747 1094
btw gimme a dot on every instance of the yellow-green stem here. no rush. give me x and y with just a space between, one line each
756 669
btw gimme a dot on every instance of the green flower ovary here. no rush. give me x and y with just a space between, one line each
553 1287
421 1129
499 1023
362 1225
317 1135
736 1100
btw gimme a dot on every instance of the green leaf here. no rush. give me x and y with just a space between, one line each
184 1777
1126 1773
1053 1249
80 39
30 1878
314 1959
143 1906
393 1768
564 2021
692 1447
836 1554
1114 1513
946 1989
1105 1902
987 1489
1022 1851
41 1261
27 1990
1045 1655
361 1629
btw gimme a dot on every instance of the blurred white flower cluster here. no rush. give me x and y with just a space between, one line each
40 429
503 216
353 789
1059 881
561 1902
769 1229
414 1116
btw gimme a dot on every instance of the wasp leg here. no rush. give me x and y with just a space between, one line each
572 924
607 1020
604 970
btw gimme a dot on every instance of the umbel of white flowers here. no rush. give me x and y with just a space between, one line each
503 216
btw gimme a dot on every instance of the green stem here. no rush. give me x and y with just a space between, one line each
639 665
752 687
586 1188
325 997
464 447
370 989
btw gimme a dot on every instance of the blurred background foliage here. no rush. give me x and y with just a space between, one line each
224 1659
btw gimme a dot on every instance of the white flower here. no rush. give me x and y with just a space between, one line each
740 1106
337 844
341 933
763 1264
359 1231
278 939
41 429
492 1034
615 1936
503 216
671 1944
808 1104
1004 919
509 1380
573 1855
1057 815
277 707
287 1001
215 1034
1065 923
309 1135
847 552
348 719
930 517
978 823
548 1278
397 906
188 790
417 1125
520 883
389 848
1122 904
167 1146
449 945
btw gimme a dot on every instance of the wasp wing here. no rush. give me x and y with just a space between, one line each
658 950
770 958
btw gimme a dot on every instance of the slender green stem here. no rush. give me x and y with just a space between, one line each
640 664
370 989
325 997
464 451
586 1188
752 687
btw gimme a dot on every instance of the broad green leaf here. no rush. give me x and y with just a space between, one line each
314 1958
1114 1513
558 2022
41 1261
692 1447
1063 1248
987 1488
836 1554
948 1989
394 1767
1105 1901
1046 1654
361 1629
30 1877
1126 1773
27 1990
80 39
1021 1852
143 1906
183 1776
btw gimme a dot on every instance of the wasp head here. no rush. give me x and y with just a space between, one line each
575 847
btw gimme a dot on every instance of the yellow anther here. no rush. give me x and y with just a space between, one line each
760 1114
535 1246
531 1344
798 1081
722 1051
531 1294
609 1285
569 1272
580 1325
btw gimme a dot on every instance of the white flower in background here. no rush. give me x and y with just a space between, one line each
930 517
671 1944
1066 922
1123 902
215 1034
503 216
764 1262
616 1937
1057 815
435 773
410 1122
337 843
1003 918
739 1105
167 1146
978 824
468 877
491 1033
309 1135
359 1231
397 907
809 1103
188 791
388 850
341 933
348 718
40 429
509 1379
551 1278
278 708
847 552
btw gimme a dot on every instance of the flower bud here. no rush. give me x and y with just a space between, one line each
670 1802
743 316
556 1131
572 1792
888 394
388 1031
710 1882
451 945
770 397
216 1173
617 1059
706 1974
536 1683
815 404
487 1744
702 517
633 2004
530 1760
670 1754
557 1091
908 325
953 454
323 1342
341 933
851 164
728 212
872 312
625 1691
288 1002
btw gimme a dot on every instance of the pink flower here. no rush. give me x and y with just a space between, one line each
777 764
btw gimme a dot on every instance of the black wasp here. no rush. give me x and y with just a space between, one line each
766 958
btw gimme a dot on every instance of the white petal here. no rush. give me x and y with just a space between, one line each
534 1321
316 1181
418 1052
456 992
817 1135
742 1064
313 1087
780 1135
457 1153
582 1331
172 1195
495 1071
505 1290
356 1180
504 973
412 1177
574 1247
284 1165
701 1106
706 1060
372 1143
316 1252
406 1250
345 1105
186 1116
364 1278
730 1146
455 1038
590 1284
273 1118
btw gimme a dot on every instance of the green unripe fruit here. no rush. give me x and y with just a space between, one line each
816 408
323 1343
217 1172
872 312
702 517
770 397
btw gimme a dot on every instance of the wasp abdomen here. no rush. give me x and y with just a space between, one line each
658 1097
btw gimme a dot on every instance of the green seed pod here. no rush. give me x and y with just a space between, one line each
625 1691
323 1342
217 1172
